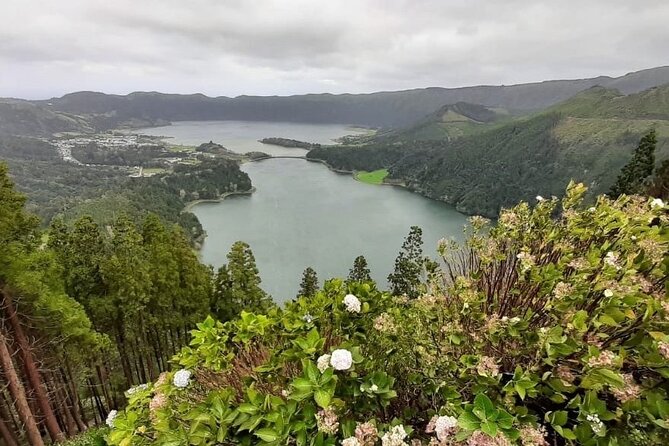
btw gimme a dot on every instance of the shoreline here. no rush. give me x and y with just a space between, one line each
189 206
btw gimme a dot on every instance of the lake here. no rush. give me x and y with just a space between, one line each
302 214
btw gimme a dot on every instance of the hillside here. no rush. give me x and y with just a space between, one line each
587 138
18 117
382 109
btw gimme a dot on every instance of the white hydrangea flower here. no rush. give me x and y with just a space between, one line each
657 203
350 441
444 427
394 437
608 293
135 389
307 318
323 362
540 198
181 378
352 303
341 359
111 417
592 209
374 388
595 423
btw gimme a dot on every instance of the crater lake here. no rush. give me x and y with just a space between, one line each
303 214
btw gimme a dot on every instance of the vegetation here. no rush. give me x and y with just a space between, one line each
585 138
237 285
539 331
634 174
286 142
409 266
360 271
375 177
309 284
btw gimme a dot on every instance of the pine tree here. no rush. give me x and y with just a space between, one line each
405 279
309 284
237 285
360 271
632 178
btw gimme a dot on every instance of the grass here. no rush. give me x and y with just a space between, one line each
375 177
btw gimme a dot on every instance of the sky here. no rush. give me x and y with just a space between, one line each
270 47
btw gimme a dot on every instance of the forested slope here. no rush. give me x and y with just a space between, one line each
587 138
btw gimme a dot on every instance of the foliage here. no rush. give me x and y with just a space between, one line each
409 266
92 437
659 186
634 174
309 284
237 285
539 331
360 271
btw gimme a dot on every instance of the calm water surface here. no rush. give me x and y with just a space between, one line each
302 214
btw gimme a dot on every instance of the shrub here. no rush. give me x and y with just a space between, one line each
549 328
92 437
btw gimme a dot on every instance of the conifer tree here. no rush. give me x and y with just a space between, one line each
237 285
360 271
405 279
632 178
309 284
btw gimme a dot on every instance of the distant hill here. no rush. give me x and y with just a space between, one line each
18 117
587 138
382 109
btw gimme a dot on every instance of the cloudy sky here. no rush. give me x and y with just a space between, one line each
233 47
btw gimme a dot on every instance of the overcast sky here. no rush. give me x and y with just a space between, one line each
266 47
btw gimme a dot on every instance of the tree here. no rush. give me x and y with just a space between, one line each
659 187
405 279
309 284
360 271
632 178
237 285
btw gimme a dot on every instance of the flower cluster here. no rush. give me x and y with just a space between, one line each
366 433
111 416
131 391
181 378
394 437
595 423
487 366
384 323
478 438
533 436
341 359
604 359
443 426
352 303
327 421
323 362
629 391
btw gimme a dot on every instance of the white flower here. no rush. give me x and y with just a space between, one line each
444 427
323 362
374 388
350 441
515 320
352 303
540 198
592 209
394 437
657 203
595 423
135 389
608 293
341 359
181 378
111 417
307 318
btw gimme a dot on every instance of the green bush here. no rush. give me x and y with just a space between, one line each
542 330
92 437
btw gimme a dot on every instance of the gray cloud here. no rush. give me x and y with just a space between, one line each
236 47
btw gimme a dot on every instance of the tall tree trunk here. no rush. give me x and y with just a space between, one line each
18 394
31 370
7 413
7 427
72 396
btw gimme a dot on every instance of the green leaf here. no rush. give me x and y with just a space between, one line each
323 398
483 406
489 428
468 421
267 435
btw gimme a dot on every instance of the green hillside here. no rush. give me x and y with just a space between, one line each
587 138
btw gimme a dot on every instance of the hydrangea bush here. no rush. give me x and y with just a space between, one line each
550 327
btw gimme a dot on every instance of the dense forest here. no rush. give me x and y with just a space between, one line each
495 166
